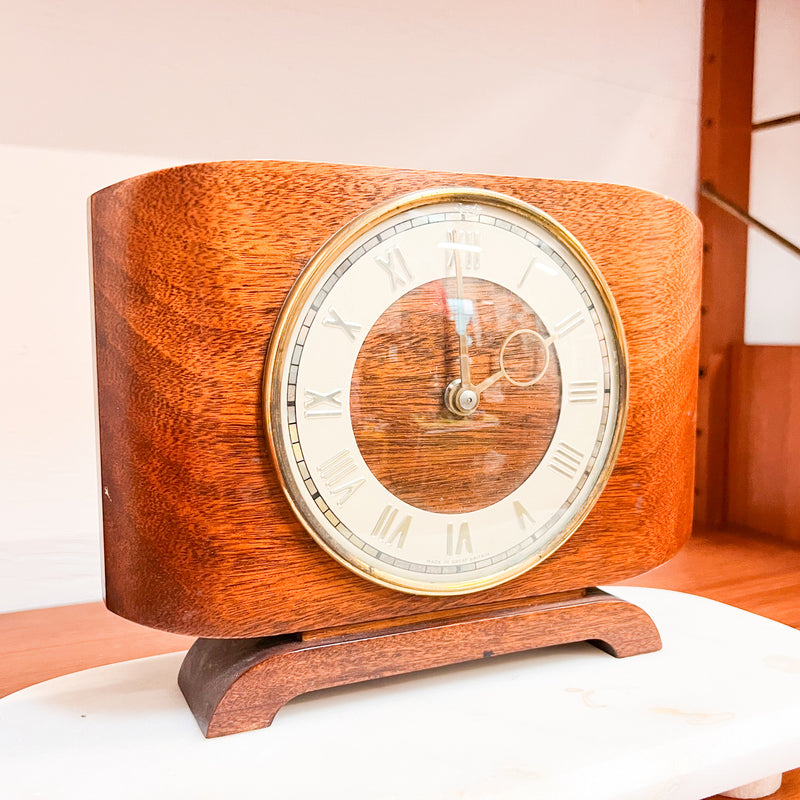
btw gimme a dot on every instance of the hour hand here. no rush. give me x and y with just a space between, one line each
492 379
503 371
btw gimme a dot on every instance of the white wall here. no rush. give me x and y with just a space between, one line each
773 273
49 540
96 91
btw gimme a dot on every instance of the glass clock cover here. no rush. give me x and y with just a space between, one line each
445 391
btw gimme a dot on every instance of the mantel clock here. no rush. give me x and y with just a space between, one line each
357 421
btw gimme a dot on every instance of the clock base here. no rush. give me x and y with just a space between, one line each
236 685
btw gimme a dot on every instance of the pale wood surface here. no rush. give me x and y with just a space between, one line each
761 575
44 643
764 466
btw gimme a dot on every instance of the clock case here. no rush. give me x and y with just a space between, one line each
191 266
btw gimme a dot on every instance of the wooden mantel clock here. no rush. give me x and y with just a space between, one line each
356 422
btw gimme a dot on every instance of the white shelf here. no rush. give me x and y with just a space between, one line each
717 707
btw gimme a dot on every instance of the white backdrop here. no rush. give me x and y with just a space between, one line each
96 91
773 274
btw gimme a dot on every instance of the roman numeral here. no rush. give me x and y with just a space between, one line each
566 460
583 391
395 267
338 474
540 265
323 404
568 324
464 246
335 321
383 527
458 543
524 519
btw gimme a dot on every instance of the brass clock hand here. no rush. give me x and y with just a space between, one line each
461 324
503 372
492 379
460 396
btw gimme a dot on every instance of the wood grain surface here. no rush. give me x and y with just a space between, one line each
726 116
764 465
481 451
190 268
239 685
44 643
755 573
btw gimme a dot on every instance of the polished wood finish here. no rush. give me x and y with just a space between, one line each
396 399
44 643
235 685
761 575
190 268
725 136
764 467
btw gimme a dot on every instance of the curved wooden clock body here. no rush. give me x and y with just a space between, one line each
191 266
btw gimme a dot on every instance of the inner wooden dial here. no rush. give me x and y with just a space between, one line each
425 454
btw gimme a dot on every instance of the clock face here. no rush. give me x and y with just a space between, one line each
445 391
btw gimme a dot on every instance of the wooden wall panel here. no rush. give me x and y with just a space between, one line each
764 473
725 134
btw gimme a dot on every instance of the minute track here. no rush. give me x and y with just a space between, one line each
394 367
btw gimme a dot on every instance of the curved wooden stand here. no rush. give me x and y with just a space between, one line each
235 685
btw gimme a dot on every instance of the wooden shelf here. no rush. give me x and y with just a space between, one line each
738 568
45 643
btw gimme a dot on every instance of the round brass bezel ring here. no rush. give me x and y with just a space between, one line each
280 346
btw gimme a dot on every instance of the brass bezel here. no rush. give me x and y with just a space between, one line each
305 285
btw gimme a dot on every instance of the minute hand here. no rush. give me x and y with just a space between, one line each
461 325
